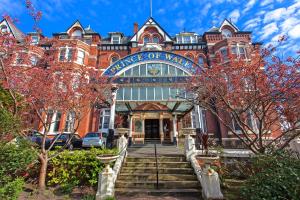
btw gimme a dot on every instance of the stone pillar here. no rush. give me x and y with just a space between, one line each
175 133
111 130
161 129
130 129
105 183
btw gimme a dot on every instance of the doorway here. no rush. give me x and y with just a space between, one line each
152 129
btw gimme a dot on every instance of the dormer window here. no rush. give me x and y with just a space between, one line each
116 39
4 29
155 39
34 39
146 40
226 33
77 33
186 39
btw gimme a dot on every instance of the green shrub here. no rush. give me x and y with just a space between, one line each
10 189
14 159
275 176
73 168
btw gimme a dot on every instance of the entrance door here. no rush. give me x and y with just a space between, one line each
167 129
151 129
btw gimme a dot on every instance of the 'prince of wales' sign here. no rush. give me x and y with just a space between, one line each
162 56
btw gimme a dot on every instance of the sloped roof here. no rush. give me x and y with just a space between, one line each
151 21
19 35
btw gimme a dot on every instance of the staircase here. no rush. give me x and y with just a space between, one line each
175 176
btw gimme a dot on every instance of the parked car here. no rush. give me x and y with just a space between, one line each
94 139
60 140
36 137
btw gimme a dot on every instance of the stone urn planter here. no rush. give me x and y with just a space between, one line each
208 160
122 131
107 159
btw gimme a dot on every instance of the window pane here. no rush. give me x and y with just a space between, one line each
120 94
127 93
150 93
143 70
179 72
135 93
172 70
155 40
173 93
166 93
158 93
143 93
135 71
106 122
165 70
200 61
128 72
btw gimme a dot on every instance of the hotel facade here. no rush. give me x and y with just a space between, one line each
148 68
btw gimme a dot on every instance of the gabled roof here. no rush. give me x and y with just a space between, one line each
229 23
13 29
151 22
76 24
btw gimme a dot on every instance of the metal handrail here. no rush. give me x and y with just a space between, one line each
156 166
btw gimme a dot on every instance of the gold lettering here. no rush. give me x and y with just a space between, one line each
175 59
140 57
158 55
168 56
151 55
180 61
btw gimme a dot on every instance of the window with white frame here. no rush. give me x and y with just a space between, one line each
77 33
226 33
146 40
34 39
235 125
55 120
239 50
4 29
186 39
33 60
70 122
80 56
251 121
104 119
155 39
65 54
116 39
224 54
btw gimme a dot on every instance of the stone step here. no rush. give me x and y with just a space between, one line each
160 164
130 192
161 184
153 159
152 170
152 177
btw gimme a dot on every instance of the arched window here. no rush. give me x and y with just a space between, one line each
155 39
146 40
226 33
201 61
77 33
114 59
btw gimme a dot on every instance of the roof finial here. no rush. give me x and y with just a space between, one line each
150 8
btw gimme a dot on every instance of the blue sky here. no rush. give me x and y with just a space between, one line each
266 18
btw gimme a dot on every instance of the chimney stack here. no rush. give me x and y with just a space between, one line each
135 27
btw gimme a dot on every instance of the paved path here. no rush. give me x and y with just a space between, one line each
148 150
145 197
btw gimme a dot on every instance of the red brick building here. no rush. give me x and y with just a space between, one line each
149 64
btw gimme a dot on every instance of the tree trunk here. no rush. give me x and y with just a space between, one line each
43 157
